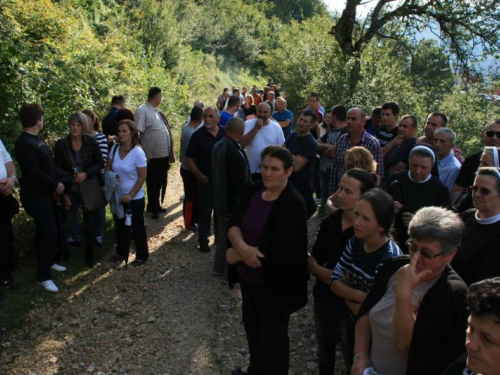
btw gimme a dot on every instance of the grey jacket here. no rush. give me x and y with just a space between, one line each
114 194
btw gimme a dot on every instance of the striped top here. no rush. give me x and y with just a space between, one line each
363 266
102 141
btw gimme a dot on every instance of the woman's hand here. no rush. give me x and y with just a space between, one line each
232 256
80 177
360 364
251 256
330 203
311 263
408 277
127 198
67 202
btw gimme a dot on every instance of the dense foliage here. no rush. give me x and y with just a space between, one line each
75 54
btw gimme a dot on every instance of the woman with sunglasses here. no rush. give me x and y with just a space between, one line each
413 320
479 256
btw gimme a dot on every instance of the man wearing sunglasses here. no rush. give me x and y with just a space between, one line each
465 179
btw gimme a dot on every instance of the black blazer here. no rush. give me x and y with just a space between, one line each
439 330
90 154
284 244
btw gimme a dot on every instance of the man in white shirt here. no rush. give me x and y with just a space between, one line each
158 144
260 132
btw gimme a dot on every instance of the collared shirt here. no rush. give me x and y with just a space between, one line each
283 116
343 144
200 147
154 133
4 158
448 168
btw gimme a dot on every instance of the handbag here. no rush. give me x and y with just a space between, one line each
91 194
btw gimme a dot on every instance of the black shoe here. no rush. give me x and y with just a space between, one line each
117 258
204 248
99 244
72 243
138 262
238 371
161 210
193 228
89 258
155 216
10 284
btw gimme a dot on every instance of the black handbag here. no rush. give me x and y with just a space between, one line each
91 194
9 206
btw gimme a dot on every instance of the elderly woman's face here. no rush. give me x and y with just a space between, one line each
431 256
485 196
75 129
274 174
420 167
486 160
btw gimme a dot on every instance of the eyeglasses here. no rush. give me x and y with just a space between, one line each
491 133
426 253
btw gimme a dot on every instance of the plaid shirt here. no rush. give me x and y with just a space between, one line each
343 144
155 137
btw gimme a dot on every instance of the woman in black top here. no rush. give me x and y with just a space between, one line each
78 155
268 234
334 232
479 255
249 110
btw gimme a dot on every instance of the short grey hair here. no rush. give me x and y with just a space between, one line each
212 108
437 224
448 131
82 119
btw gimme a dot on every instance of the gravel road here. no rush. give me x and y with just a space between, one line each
170 316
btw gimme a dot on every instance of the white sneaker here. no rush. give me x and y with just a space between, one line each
58 268
49 286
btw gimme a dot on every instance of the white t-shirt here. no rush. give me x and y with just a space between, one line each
127 169
268 135
4 158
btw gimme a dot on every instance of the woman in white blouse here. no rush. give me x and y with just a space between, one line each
128 161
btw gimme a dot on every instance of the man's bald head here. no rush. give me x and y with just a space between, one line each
358 111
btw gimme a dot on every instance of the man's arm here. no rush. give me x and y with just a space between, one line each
284 124
398 167
191 164
248 137
397 141
7 185
299 162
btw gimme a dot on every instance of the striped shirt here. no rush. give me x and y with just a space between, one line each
386 136
363 266
343 144
102 141
154 133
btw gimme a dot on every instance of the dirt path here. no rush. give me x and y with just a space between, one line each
170 316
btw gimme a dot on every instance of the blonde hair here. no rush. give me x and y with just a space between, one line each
82 119
360 157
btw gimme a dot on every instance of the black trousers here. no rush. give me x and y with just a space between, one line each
157 176
267 336
42 210
7 253
138 229
303 185
190 206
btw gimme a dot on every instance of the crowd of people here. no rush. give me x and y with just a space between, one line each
408 249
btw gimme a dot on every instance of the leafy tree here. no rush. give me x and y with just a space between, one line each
461 25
